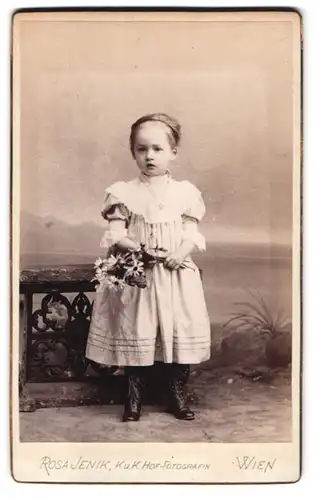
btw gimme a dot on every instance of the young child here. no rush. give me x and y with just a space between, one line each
166 321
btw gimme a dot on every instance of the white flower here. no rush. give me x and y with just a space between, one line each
111 261
115 283
99 274
135 269
98 262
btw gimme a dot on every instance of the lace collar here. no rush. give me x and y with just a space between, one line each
155 180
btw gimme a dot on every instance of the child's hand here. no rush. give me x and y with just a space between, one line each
174 260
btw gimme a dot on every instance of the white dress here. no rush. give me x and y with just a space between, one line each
167 320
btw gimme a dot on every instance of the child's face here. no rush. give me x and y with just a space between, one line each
152 149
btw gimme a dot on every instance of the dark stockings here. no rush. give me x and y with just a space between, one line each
136 381
178 375
177 378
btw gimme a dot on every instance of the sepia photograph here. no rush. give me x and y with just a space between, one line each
156 164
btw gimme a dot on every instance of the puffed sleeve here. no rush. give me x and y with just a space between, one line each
193 213
114 208
117 215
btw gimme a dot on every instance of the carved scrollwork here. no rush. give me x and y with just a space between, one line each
55 313
39 321
61 356
81 306
51 357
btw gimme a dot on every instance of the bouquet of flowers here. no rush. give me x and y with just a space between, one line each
128 268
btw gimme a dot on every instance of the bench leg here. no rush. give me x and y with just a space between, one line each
26 402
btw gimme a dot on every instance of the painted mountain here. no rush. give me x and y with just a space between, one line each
50 241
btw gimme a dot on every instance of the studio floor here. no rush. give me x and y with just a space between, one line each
229 408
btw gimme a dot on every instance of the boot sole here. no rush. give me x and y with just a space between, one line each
131 419
184 418
170 412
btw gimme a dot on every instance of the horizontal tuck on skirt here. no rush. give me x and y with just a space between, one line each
126 324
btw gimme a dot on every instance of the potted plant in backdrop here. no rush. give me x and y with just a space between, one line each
258 322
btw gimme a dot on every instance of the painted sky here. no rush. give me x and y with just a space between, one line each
228 83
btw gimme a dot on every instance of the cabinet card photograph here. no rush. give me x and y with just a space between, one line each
156 255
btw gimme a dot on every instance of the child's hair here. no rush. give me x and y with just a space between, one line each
174 134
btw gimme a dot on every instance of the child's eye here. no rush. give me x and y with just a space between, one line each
141 149
157 148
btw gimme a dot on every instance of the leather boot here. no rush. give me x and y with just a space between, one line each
135 380
177 380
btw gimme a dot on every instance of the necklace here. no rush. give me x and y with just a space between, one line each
159 202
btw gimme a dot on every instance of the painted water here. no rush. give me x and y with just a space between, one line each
228 275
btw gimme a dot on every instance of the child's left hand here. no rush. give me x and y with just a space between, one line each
174 260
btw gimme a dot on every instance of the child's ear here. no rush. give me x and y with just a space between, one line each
175 151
